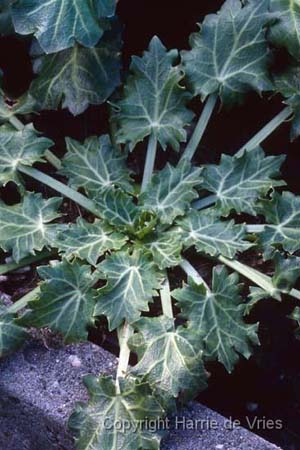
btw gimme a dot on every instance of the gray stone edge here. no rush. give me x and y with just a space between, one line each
39 387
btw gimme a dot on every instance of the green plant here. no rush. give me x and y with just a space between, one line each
119 255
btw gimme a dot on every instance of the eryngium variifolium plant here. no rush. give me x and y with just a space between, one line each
120 253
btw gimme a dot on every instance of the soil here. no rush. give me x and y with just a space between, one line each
267 385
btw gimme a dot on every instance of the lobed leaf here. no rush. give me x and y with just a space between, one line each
77 77
169 359
12 335
97 424
19 147
240 180
89 241
132 281
154 101
211 235
256 295
118 209
10 107
287 272
66 302
287 83
218 314
6 25
285 31
230 54
295 315
171 191
59 24
96 166
282 213
25 227
145 224
21 106
165 248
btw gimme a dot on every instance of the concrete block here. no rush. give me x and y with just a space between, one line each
39 386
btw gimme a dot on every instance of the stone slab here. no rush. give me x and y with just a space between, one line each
210 431
38 388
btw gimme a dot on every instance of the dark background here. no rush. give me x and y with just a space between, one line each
269 384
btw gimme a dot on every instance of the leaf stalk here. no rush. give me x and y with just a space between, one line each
9 267
205 202
254 275
150 161
267 130
263 134
166 300
256 228
64 190
200 127
262 280
193 273
15 122
23 302
124 333
53 159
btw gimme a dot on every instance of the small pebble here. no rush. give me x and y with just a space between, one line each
219 446
75 361
5 298
8 260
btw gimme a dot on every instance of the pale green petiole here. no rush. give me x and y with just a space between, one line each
150 161
200 127
16 123
257 277
254 275
267 130
23 302
64 190
205 202
192 272
166 300
53 159
260 279
124 333
9 267
256 228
